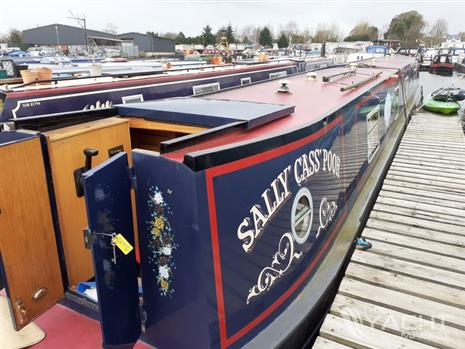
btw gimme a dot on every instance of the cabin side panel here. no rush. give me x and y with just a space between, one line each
33 103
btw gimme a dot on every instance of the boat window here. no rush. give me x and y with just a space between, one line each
9 67
2 102
132 99
246 81
302 215
206 88
373 132
396 103
277 75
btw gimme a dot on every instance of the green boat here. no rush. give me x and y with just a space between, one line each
441 106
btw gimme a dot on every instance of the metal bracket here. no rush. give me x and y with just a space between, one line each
132 177
89 238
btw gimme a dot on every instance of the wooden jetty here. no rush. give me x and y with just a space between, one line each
408 290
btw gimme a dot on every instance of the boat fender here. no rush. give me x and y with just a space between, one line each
362 244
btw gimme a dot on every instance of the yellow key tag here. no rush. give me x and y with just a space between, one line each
122 244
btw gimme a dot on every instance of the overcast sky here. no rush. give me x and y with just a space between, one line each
191 16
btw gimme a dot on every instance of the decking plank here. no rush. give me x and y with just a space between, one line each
408 304
395 322
407 284
360 336
411 269
394 216
416 232
415 243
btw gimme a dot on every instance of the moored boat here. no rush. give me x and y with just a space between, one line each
442 65
448 94
78 94
442 107
247 203
460 67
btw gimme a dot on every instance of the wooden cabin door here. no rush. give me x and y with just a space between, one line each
107 189
28 248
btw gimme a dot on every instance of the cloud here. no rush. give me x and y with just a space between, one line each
190 16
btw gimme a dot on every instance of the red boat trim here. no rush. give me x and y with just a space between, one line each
144 81
226 340
442 65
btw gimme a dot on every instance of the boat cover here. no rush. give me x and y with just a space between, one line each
206 112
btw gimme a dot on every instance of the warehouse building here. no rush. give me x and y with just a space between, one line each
76 40
71 39
150 45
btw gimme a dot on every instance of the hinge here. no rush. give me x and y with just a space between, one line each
132 177
89 238
21 312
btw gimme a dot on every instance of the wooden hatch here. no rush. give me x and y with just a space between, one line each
65 148
27 240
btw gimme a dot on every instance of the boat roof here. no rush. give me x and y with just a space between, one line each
121 78
207 112
313 101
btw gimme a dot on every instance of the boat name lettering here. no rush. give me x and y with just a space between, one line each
30 104
305 166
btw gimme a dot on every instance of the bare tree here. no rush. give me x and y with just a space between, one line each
250 32
438 32
169 35
13 37
325 33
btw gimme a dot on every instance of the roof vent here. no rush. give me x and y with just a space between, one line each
284 88
311 76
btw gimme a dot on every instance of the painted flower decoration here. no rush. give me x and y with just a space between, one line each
161 241
158 198
164 271
166 250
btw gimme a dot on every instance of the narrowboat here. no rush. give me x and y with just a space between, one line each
67 95
206 222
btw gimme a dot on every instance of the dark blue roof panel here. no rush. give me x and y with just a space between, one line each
206 112
14 137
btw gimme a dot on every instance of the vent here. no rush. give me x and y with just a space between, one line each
246 81
132 99
206 88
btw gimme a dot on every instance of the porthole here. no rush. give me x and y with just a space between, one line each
302 215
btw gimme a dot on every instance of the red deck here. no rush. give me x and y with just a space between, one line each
67 329
312 99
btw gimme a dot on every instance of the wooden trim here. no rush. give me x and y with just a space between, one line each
163 126
71 131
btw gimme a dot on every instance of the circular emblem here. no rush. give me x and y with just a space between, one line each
302 215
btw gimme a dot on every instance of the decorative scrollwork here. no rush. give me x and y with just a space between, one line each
269 275
327 212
